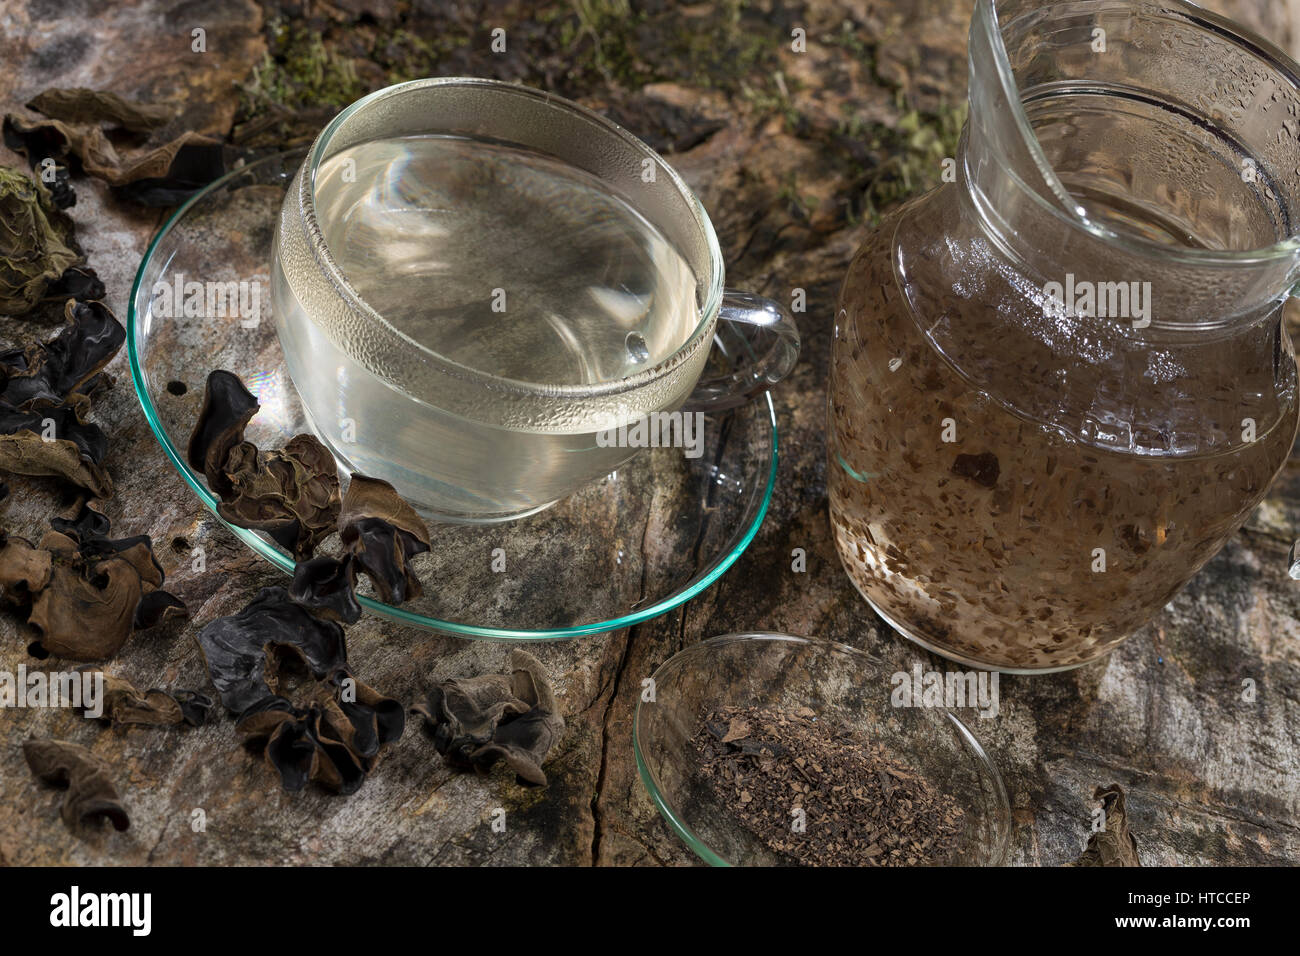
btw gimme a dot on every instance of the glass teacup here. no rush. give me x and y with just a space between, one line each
491 296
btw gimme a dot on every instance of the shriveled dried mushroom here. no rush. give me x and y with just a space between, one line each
383 533
158 174
123 704
334 739
476 721
55 372
77 282
326 586
35 242
227 409
80 105
91 794
1114 844
57 442
291 493
43 400
24 569
85 592
236 647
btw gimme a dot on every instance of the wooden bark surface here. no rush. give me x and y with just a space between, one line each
781 148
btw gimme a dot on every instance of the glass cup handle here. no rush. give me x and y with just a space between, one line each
755 345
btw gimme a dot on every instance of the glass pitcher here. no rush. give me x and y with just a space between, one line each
1061 381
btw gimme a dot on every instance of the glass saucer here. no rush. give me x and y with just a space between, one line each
834 681
627 548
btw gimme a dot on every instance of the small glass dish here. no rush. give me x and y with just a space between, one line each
779 670
626 548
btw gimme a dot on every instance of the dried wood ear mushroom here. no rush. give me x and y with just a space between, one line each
227 409
58 371
83 591
123 704
56 442
35 242
382 533
91 794
477 721
334 737
160 173
327 587
291 493
1115 844
44 400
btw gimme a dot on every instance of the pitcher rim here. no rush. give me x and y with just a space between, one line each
1071 212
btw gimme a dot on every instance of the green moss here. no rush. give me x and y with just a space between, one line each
914 150
771 96
631 49
306 74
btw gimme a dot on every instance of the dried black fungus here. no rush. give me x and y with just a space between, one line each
123 704
24 569
383 533
981 469
91 794
80 105
475 722
36 245
156 607
88 522
77 282
1114 845
292 493
333 739
328 587
85 592
227 409
54 441
73 128
56 372
44 400
236 647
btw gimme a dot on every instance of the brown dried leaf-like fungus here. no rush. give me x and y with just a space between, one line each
157 174
291 493
57 442
35 242
476 721
57 372
336 737
24 570
44 400
80 105
383 533
1114 845
91 793
87 592
123 704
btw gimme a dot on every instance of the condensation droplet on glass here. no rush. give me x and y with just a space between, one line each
637 350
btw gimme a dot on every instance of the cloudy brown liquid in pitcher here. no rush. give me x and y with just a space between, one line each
1011 542
984 547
